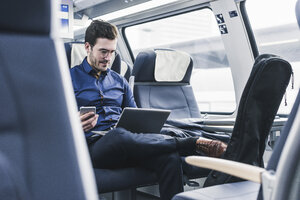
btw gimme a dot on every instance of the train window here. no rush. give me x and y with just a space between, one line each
276 32
197 34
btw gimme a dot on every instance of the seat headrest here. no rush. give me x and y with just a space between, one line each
35 15
163 65
78 53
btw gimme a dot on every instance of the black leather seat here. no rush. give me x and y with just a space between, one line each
284 166
259 103
39 136
258 106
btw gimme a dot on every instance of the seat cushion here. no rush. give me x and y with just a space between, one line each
109 180
179 99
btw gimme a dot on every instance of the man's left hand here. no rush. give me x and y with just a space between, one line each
88 121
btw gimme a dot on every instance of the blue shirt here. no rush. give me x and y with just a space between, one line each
109 94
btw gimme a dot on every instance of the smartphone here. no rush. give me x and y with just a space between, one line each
86 109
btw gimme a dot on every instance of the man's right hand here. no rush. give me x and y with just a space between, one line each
88 121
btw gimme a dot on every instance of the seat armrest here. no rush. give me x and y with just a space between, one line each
241 170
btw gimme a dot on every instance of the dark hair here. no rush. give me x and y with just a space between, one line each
100 29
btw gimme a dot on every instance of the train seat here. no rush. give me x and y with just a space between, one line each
113 180
39 136
162 80
259 104
257 109
282 169
76 53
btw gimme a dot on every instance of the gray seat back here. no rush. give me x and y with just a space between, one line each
162 80
37 131
12 184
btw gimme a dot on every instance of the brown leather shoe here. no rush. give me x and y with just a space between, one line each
212 148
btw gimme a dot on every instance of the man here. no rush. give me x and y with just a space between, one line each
96 85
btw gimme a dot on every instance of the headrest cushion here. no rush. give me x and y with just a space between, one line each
170 66
162 65
78 53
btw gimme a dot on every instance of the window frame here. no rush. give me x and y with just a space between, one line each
177 13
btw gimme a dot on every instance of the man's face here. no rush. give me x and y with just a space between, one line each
99 55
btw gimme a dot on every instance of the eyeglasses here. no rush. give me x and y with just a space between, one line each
104 52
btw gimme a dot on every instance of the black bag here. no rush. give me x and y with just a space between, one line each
258 106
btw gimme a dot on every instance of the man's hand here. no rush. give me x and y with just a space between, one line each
88 121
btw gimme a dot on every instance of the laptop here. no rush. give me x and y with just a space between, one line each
141 120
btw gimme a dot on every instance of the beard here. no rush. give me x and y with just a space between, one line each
98 65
